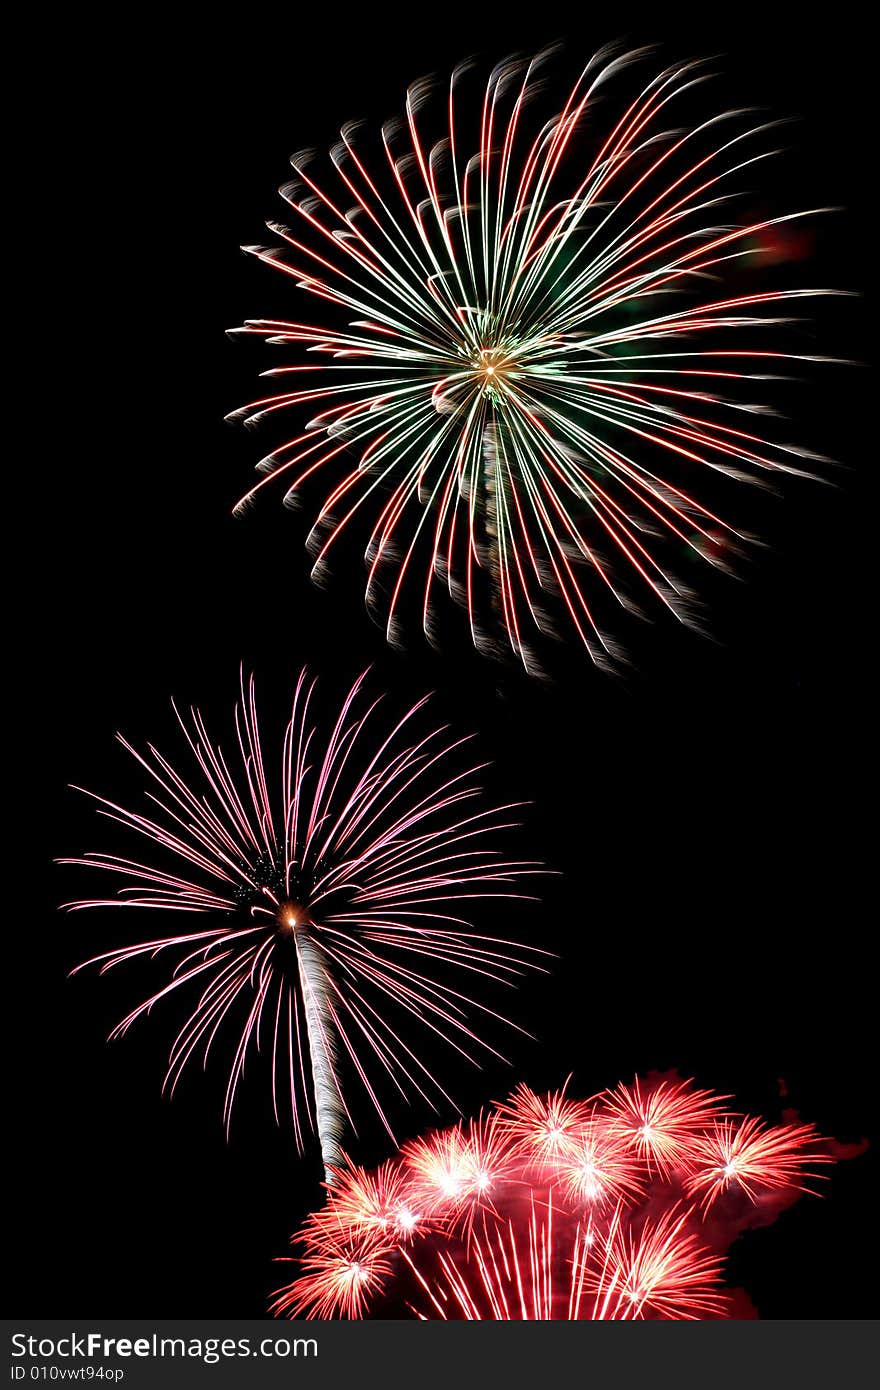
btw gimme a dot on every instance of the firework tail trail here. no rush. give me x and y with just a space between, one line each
329 1111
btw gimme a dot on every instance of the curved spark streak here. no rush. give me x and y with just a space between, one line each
548 352
335 896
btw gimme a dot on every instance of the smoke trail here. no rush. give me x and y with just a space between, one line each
322 1049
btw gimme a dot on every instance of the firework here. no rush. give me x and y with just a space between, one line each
659 1122
453 1174
503 1223
598 1169
748 1155
342 1272
556 1269
537 345
369 1203
543 1126
331 899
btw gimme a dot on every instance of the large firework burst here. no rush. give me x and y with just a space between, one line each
332 900
535 349
552 1208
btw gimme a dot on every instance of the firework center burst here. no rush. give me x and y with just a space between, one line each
289 916
492 365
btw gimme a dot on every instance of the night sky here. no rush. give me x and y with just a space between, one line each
704 813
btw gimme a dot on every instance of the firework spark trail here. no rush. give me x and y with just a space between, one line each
546 1209
332 906
549 346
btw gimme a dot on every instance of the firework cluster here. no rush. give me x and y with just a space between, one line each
618 1207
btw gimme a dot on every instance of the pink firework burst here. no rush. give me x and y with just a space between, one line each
329 898
536 347
501 1224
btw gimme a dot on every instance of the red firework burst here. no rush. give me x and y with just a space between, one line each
549 1208
332 900
345 1269
659 1123
747 1154
543 1126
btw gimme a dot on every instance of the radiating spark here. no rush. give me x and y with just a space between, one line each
331 902
592 1227
747 1155
544 1127
536 352
659 1120
340 1277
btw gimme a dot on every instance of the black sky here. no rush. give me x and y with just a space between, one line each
705 813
